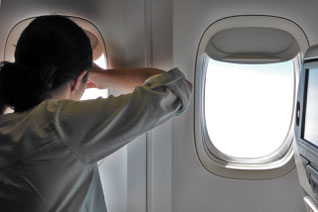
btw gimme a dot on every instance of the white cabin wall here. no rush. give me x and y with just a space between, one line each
159 140
164 174
122 25
193 187
108 16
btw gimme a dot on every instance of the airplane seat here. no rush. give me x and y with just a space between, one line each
306 129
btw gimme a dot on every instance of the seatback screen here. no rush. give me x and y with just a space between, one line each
310 130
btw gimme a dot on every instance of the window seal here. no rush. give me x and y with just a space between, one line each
274 165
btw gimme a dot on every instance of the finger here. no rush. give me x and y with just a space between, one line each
90 84
190 85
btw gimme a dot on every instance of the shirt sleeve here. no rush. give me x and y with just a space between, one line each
93 129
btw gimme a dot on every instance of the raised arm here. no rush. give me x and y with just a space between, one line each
94 129
121 79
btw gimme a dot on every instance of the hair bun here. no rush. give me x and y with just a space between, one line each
20 87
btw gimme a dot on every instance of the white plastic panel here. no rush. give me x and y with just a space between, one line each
194 188
111 18
253 39
250 44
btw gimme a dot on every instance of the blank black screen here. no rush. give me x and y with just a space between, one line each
311 110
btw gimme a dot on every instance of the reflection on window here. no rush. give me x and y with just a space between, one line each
93 93
248 108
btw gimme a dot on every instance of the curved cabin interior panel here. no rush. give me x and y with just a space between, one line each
248 140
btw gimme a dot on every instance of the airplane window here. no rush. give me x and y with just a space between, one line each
93 93
248 107
246 77
101 62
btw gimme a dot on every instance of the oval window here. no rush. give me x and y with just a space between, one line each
246 75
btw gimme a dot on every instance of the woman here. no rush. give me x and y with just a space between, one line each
51 143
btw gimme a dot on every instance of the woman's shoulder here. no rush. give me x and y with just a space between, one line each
23 132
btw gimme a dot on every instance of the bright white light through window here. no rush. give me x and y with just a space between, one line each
101 62
93 93
248 108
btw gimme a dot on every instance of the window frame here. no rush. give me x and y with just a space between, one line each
17 29
280 161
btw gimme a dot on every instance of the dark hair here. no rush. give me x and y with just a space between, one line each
51 52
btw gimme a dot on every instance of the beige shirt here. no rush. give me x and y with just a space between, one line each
48 154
